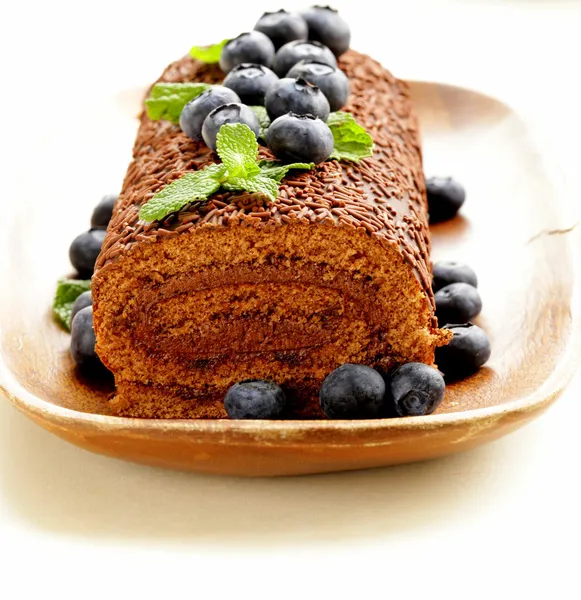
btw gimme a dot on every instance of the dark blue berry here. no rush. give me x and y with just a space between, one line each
352 392
445 197
297 96
103 211
300 138
330 80
457 303
84 300
250 82
84 251
228 113
414 390
255 399
293 52
250 47
328 27
282 27
449 271
195 112
468 350
83 340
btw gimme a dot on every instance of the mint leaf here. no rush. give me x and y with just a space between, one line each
189 188
275 170
237 147
166 100
263 120
352 142
338 118
208 54
67 291
258 184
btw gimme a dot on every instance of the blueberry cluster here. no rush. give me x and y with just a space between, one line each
83 253
457 303
455 293
288 65
352 391
85 248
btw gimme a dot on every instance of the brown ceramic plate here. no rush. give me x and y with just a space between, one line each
517 231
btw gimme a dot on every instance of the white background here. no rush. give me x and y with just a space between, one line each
497 522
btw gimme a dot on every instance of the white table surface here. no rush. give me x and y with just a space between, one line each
500 521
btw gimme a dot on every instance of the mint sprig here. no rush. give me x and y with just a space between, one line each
352 142
240 170
208 54
67 291
167 100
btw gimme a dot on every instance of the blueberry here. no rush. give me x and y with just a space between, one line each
327 27
255 399
103 211
330 80
84 300
84 251
293 52
449 271
195 111
301 138
445 197
83 340
228 113
468 350
457 303
251 82
297 96
282 27
250 47
352 392
415 390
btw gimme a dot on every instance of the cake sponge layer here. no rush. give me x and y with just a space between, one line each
189 316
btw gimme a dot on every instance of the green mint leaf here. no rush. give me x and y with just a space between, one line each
237 147
208 54
67 291
258 184
189 188
338 118
166 100
263 120
352 142
275 170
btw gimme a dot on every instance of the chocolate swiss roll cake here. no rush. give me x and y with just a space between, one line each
335 270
